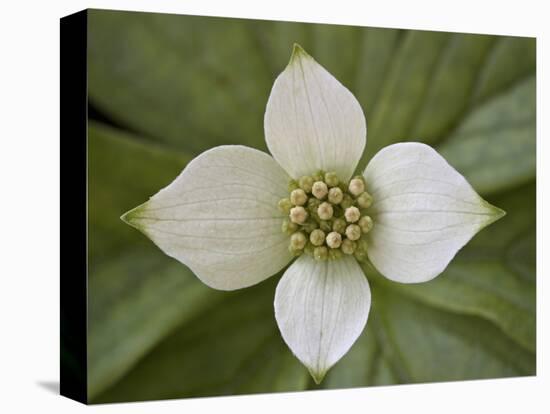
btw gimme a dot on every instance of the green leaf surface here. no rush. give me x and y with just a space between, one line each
234 348
364 364
160 76
126 320
511 58
177 85
407 341
484 279
495 146
444 103
424 345
375 54
124 171
405 88
137 294
165 77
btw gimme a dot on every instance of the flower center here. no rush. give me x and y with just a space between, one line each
327 218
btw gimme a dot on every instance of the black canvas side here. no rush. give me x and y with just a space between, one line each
73 261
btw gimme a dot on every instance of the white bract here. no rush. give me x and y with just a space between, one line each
232 218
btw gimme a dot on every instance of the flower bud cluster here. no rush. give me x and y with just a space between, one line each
327 218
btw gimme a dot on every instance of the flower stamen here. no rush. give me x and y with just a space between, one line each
335 195
325 211
352 214
327 218
298 197
334 240
298 215
356 186
319 189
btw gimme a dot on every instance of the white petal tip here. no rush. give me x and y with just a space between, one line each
493 214
317 376
297 52
496 213
131 217
127 217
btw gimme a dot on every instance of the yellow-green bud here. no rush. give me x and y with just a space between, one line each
293 185
312 205
298 240
352 214
284 205
325 211
320 253
348 246
295 252
362 246
335 195
289 227
356 186
298 214
306 182
364 200
325 226
298 197
334 254
334 240
339 225
331 179
353 232
318 176
338 211
317 237
347 201
319 190
309 226
366 224
361 250
309 248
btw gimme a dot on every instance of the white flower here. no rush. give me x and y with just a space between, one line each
230 218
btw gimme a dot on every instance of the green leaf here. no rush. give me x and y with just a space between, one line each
511 58
407 341
483 279
137 294
374 60
234 348
444 102
435 79
341 62
124 171
423 345
404 88
165 76
363 365
494 147
125 320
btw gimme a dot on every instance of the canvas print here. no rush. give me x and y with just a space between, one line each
281 206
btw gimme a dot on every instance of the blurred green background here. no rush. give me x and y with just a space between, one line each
163 88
